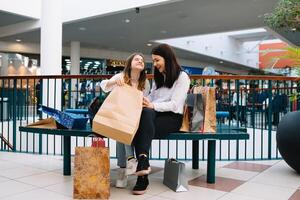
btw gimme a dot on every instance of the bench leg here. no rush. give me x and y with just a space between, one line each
211 161
195 156
67 155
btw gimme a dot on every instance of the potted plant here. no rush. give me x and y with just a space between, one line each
285 16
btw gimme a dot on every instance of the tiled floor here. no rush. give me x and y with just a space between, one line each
27 176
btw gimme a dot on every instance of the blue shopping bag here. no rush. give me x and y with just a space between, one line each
67 120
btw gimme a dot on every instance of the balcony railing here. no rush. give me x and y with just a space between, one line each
254 102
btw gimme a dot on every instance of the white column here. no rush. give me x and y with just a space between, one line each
75 70
75 57
51 50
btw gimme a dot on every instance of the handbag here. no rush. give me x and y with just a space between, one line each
119 116
93 108
174 175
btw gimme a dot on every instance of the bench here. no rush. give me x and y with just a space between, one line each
224 133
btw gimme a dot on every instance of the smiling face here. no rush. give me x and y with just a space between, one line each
137 63
159 63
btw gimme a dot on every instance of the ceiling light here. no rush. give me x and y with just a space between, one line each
82 28
18 40
149 44
163 31
293 29
127 20
221 61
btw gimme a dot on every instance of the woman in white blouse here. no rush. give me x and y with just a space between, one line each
134 75
163 109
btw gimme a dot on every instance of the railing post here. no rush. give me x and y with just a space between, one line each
270 119
14 103
41 116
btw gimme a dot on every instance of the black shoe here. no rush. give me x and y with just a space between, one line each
143 167
141 185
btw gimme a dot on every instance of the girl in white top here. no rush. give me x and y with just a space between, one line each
134 75
163 109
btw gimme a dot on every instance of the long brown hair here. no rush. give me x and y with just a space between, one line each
127 72
172 67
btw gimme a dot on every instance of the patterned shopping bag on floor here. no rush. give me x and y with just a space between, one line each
91 173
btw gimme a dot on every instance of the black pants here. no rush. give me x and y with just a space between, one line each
154 125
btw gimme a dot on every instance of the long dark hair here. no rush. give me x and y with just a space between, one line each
127 72
172 67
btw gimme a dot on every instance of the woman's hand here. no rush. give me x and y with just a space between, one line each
147 103
119 81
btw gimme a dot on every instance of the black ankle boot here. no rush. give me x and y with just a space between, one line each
141 185
143 167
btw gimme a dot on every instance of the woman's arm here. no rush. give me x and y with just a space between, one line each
109 85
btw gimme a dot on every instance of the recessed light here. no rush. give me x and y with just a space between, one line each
82 28
127 20
18 40
149 44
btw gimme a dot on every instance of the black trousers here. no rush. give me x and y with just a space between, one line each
154 125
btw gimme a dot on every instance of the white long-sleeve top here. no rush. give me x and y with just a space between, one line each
171 99
103 84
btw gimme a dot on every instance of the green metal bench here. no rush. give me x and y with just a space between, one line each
223 133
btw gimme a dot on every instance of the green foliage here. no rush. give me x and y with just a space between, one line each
285 16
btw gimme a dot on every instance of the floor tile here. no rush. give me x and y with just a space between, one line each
253 167
157 198
235 174
13 187
222 184
4 164
279 174
264 191
20 172
122 194
232 196
65 188
295 196
3 179
193 193
38 194
45 179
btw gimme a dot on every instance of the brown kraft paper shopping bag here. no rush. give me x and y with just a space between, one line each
91 173
119 116
209 99
185 126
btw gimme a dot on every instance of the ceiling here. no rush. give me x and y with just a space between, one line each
9 18
178 19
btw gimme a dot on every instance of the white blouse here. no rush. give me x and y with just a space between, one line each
171 99
105 89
